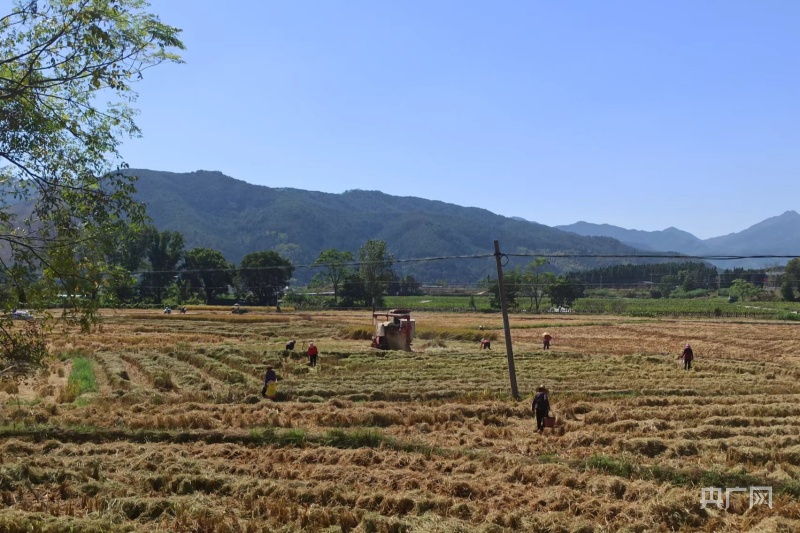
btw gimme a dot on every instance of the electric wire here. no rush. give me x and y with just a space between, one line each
474 256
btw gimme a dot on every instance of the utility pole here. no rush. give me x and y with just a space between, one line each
512 373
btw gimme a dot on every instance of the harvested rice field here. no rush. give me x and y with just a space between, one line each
172 434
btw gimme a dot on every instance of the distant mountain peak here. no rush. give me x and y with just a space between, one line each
778 235
668 240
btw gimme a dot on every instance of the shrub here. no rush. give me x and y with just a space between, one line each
696 293
68 393
766 296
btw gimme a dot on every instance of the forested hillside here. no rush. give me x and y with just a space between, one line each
215 211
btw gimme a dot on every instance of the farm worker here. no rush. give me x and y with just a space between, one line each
290 346
540 406
687 357
312 354
486 344
270 383
547 338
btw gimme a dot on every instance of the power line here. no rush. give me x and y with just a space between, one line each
655 256
476 256
279 267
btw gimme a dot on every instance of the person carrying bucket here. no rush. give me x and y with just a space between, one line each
270 389
540 407
687 356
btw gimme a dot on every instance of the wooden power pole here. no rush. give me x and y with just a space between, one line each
512 373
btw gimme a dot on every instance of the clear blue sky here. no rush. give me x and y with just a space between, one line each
639 114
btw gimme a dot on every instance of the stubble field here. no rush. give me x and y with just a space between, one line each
176 437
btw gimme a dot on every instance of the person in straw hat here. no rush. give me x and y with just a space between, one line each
547 338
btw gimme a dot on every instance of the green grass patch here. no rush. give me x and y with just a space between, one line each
292 438
362 438
444 303
610 465
646 307
82 376
339 438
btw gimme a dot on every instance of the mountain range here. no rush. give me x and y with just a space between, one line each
779 236
235 217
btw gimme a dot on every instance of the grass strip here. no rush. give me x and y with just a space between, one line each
691 477
271 436
82 375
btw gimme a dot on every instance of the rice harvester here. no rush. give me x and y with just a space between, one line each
394 329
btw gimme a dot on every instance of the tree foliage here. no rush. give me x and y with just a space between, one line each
353 292
743 289
337 265
535 280
67 69
405 286
208 273
791 274
787 291
376 268
165 250
512 282
264 275
563 291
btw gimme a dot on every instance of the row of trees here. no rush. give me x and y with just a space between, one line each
151 266
667 276
535 282
365 281
147 265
